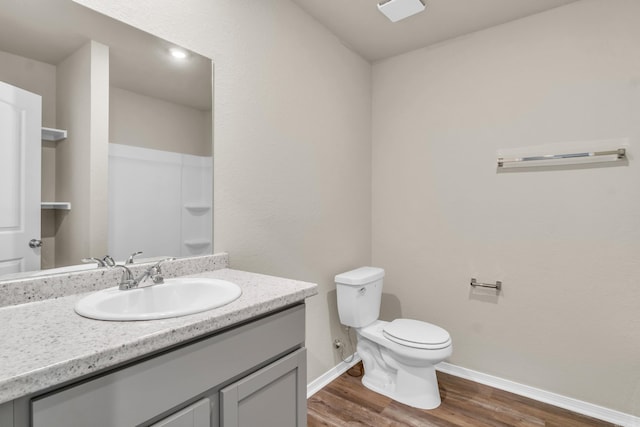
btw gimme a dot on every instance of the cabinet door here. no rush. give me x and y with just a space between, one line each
6 414
196 415
274 396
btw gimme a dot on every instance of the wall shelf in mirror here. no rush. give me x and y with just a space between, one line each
197 243
55 135
60 206
197 207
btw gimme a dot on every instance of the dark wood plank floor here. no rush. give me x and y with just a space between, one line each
346 402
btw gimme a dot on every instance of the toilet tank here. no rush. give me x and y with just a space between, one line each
359 293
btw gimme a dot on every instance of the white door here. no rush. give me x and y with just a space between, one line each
20 154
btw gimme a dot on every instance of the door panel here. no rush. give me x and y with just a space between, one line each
196 415
11 119
9 266
274 396
20 154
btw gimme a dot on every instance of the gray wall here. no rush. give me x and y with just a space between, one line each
147 122
565 242
82 158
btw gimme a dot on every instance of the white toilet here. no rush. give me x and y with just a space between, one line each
398 356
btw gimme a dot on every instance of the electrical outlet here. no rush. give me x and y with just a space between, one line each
337 343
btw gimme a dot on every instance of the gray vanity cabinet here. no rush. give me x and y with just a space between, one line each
196 415
249 375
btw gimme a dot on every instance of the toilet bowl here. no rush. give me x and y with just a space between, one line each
399 357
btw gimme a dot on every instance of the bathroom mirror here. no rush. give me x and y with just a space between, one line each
126 150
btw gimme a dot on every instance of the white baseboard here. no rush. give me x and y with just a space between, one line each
575 405
316 385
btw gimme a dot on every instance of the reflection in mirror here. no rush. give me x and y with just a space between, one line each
122 128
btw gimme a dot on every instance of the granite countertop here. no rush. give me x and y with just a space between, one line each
45 343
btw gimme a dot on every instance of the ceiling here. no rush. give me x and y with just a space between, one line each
50 30
361 27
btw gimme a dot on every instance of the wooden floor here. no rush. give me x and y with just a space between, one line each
346 402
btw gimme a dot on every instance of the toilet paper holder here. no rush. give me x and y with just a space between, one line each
497 286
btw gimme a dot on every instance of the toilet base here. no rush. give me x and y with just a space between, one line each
416 389
405 375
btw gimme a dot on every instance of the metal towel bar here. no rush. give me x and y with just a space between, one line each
475 283
620 153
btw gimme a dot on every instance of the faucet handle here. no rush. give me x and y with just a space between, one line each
132 256
108 261
155 272
157 264
98 261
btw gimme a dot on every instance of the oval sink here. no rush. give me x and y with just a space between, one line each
173 298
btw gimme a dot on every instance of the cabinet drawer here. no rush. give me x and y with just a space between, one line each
132 395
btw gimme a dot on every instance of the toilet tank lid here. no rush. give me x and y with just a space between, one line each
360 276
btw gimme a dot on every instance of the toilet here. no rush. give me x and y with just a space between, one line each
399 357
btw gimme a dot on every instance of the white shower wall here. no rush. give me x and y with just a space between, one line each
150 192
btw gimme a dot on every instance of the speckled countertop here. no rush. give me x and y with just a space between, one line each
45 343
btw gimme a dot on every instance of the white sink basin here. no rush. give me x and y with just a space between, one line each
173 298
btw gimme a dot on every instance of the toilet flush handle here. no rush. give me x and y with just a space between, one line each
362 290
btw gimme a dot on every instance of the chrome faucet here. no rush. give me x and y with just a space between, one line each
132 256
128 281
107 261
100 262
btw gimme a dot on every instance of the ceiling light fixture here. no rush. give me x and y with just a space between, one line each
396 10
178 53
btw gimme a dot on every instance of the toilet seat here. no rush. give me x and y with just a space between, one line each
416 334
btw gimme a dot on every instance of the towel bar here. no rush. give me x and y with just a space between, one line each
618 154
497 286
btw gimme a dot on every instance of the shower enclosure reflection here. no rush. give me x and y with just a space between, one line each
135 169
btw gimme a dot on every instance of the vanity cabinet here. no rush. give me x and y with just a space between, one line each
196 415
249 375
